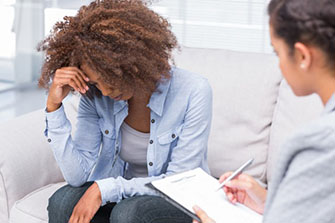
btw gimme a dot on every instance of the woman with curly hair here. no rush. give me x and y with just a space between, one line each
139 119
303 183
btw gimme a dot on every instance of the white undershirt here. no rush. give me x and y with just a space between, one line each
134 151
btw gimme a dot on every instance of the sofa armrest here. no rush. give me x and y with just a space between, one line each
26 160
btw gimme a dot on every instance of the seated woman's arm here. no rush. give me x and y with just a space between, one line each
75 158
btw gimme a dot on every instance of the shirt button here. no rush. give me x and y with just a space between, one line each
173 136
49 140
107 132
150 164
151 142
152 120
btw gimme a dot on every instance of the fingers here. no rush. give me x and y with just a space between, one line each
236 189
239 184
87 206
71 81
225 176
202 215
73 219
78 218
79 71
231 196
240 196
73 77
242 181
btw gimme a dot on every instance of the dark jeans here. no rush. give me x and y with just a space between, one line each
139 209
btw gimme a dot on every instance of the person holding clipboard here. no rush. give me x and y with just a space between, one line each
303 36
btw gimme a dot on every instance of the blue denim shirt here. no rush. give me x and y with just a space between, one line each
181 111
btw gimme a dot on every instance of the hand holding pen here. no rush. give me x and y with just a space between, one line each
244 189
237 172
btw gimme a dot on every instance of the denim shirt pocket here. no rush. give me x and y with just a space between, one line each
170 136
166 142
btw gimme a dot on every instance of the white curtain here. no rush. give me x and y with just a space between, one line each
240 25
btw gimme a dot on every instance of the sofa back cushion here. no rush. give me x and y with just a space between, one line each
245 88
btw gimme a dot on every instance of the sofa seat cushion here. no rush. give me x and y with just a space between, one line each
33 207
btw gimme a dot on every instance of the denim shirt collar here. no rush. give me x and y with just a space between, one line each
118 106
157 99
330 105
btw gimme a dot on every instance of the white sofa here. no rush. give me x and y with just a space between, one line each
254 111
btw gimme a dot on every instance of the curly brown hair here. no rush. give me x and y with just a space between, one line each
126 43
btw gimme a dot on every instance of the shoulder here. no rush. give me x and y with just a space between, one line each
303 174
318 134
187 81
313 143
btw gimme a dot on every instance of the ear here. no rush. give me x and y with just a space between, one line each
303 55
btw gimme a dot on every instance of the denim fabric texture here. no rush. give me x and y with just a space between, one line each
63 201
138 209
147 209
181 112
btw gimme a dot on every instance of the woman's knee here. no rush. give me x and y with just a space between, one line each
145 209
63 201
127 210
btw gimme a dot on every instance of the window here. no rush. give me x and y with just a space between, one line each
240 25
7 43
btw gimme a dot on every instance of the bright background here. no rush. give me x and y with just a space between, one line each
239 25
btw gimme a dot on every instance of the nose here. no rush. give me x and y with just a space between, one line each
104 92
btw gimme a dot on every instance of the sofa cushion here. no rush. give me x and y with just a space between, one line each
26 161
32 208
245 88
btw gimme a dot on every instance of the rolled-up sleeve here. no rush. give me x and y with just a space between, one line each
75 158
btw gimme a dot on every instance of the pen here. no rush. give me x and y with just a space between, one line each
237 172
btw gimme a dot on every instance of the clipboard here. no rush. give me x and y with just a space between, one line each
196 187
173 202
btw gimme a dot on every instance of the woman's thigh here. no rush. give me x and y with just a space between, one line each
147 209
63 201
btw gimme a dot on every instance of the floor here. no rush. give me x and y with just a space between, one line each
17 102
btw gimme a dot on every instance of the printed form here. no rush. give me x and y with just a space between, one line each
196 187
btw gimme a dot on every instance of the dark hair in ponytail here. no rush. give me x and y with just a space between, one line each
307 21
